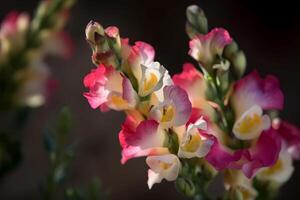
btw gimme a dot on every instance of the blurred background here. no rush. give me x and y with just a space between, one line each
268 34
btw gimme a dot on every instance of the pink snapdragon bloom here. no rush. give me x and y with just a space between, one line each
249 160
253 90
251 96
204 48
162 167
290 135
143 138
263 153
109 89
192 81
140 52
193 140
151 76
174 110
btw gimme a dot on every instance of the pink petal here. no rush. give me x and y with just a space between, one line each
205 47
140 140
128 129
112 31
189 76
253 90
264 154
291 137
222 158
183 106
146 50
96 75
129 93
95 82
140 52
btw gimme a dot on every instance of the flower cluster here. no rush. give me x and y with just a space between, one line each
200 122
24 76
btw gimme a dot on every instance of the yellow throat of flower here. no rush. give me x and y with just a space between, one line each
193 144
168 113
150 82
249 123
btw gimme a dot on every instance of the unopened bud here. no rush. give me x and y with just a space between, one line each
239 63
93 32
186 187
113 36
196 21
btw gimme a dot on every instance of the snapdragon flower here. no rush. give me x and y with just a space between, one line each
202 121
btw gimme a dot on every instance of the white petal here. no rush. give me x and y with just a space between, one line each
153 178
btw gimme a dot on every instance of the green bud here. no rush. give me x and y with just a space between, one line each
94 32
239 63
113 37
185 186
230 50
196 21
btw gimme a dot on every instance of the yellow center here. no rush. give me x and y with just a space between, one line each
193 144
150 83
118 101
273 169
249 123
164 165
168 113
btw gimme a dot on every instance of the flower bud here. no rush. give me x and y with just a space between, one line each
94 32
113 35
239 63
196 21
186 187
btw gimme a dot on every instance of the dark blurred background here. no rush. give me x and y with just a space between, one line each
268 33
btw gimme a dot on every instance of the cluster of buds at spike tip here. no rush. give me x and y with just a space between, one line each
200 122
105 43
24 76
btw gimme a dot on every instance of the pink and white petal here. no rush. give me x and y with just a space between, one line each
145 50
264 154
128 130
114 80
96 99
112 31
219 38
129 93
153 178
95 81
145 139
95 76
147 135
253 90
204 48
192 81
221 158
136 151
180 99
290 134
